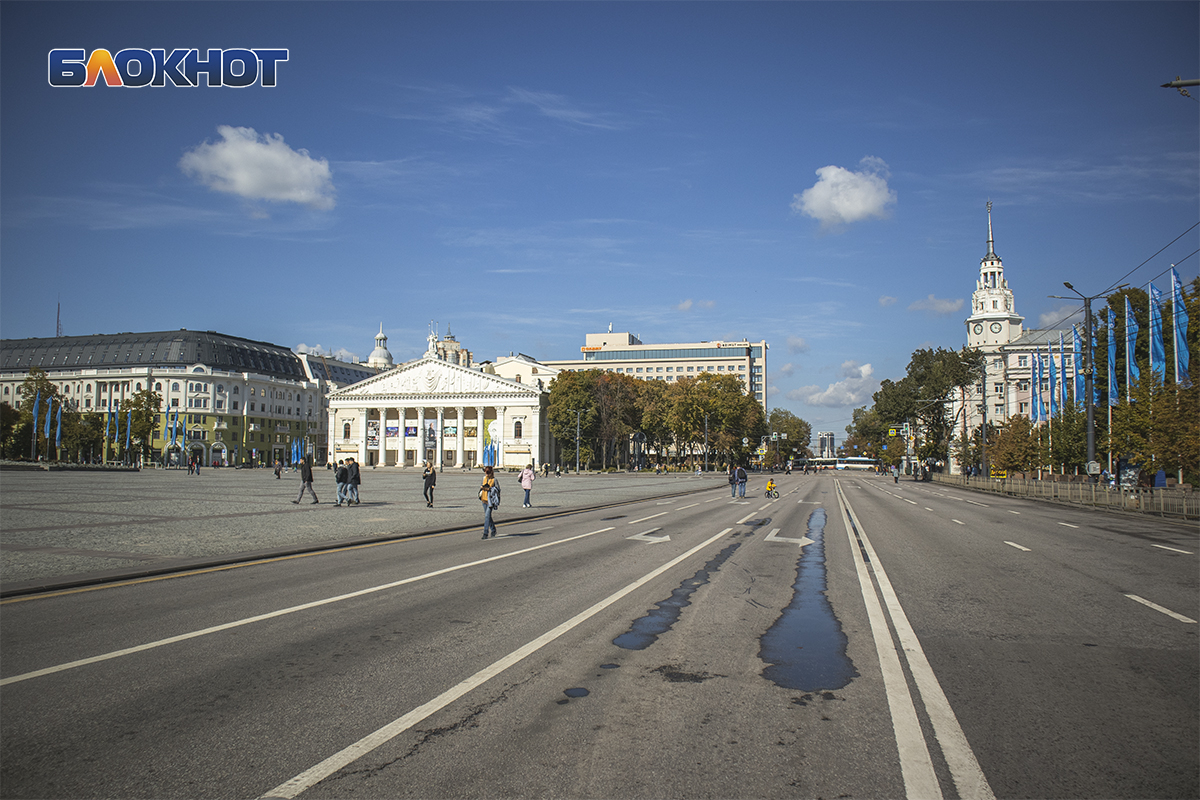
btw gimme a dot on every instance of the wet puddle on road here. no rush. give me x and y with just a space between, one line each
805 648
647 629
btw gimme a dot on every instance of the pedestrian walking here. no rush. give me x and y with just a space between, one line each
430 476
732 481
191 465
306 479
278 469
340 476
741 481
353 480
489 495
526 477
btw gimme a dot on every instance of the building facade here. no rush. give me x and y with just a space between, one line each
625 353
1010 352
231 400
435 410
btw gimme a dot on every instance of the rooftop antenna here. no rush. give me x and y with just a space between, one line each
58 320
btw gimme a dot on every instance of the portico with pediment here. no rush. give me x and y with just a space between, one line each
447 414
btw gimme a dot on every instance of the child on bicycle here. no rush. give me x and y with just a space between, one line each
770 485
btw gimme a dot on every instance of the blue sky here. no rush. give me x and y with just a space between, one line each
812 174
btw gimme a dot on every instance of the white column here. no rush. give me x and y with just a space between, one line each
535 433
420 452
479 428
438 451
400 436
363 413
462 435
333 432
500 445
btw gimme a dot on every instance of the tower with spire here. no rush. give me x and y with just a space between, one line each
994 319
381 357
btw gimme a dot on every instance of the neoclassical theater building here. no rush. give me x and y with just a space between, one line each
439 410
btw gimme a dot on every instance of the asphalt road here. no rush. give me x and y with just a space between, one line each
854 638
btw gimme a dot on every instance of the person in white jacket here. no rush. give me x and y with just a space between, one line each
526 477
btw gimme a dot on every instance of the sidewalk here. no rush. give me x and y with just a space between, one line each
62 529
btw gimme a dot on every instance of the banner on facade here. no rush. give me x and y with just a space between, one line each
373 434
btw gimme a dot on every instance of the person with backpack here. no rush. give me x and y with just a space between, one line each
732 481
341 476
741 482
526 478
430 476
489 495
353 480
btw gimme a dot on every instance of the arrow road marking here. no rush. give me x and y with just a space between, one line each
774 537
644 537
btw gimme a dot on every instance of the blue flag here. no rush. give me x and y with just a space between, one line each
107 423
1132 373
1035 385
37 402
1112 357
1158 356
49 415
1053 386
58 434
116 415
1180 318
1062 375
1077 347
128 427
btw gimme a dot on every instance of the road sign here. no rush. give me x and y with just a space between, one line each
892 432
745 442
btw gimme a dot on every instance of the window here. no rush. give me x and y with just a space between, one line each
690 369
658 369
1000 410
721 368
158 387
742 367
175 402
137 387
670 369
252 406
639 369
998 388
88 388
87 403
174 387
346 431
5 390
1022 361
235 405
220 388
518 379
517 430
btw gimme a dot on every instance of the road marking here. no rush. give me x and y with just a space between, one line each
715 499
643 519
1019 547
748 516
960 522
772 537
905 499
1173 549
764 508
915 763
681 508
1157 607
643 537
281 612
1069 525
927 508
1009 510
808 502
972 502
349 755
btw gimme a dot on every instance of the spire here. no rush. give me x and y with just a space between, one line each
991 253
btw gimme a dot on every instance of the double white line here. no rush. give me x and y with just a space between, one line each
916 765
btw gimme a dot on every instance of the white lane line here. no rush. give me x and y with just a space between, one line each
764 508
643 519
1157 607
968 777
960 522
715 499
1173 549
349 755
1009 510
281 612
681 508
1069 525
1019 547
927 508
748 516
972 502
905 499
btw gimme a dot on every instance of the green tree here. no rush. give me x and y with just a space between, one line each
616 405
571 392
144 407
652 409
799 434
1158 429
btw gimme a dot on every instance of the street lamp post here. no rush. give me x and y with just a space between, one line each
1088 370
577 413
706 442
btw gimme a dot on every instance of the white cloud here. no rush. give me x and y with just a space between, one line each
689 304
787 369
341 354
854 389
840 196
1060 317
796 344
686 305
260 167
886 300
937 306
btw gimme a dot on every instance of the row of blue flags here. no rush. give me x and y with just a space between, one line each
1045 365
37 401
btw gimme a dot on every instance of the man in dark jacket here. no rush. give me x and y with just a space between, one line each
430 476
306 479
340 476
352 484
